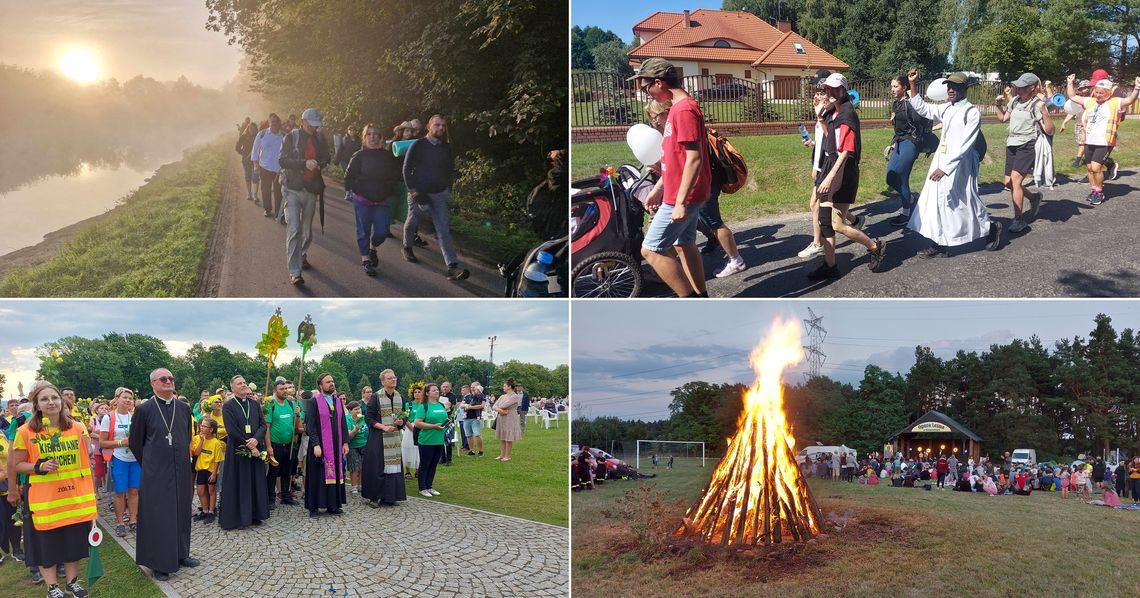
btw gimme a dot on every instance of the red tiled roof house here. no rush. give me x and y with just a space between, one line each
729 44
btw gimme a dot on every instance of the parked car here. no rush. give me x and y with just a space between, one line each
611 461
814 452
724 92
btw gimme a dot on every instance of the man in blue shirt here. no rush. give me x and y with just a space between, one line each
266 151
429 169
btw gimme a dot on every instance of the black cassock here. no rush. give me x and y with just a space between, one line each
374 483
244 494
163 536
318 494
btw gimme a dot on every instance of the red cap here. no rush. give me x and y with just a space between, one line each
1097 75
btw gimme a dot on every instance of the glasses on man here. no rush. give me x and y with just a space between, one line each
167 379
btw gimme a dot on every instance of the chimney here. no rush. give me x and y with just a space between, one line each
688 23
784 26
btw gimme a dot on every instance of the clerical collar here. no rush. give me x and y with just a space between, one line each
166 401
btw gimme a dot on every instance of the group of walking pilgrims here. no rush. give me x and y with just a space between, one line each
949 211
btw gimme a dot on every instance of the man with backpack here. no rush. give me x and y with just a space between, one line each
949 211
687 182
304 154
729 173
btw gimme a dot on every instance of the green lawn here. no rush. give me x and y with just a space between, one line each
895 541
121 576
153 246
779 178
532 485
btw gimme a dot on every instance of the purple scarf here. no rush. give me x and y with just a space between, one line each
329 453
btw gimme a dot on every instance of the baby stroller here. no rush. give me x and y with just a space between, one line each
606 232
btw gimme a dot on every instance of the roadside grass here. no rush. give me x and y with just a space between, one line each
153 246
779 177
532 485
897 541
121 576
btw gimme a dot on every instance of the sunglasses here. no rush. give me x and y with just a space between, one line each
165 379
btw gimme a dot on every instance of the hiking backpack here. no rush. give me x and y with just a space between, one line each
729 171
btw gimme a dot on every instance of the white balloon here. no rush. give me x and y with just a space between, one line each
937 90
645 143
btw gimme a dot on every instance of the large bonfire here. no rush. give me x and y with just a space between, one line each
757 495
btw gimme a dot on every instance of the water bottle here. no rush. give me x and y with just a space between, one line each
803 132
534 278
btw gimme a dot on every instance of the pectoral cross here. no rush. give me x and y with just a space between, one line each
169 439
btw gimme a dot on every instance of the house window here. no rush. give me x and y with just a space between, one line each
747 74
721 43
705 72
799 47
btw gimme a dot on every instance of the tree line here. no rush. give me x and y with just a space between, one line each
95 367
885 38
1080 396
496 69
53 124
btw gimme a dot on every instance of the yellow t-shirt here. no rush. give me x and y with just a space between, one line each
213 452
220 433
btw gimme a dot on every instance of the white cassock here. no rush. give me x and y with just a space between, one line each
1043 173
949 211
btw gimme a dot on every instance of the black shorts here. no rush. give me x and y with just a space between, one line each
1097 153
202 478
848 183
1020 158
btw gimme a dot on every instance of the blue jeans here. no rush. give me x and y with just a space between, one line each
663 233
898 171
438 213
371 226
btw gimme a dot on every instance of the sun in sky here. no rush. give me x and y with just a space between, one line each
79 66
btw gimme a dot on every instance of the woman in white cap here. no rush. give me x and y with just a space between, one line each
838 180
949 211
1025 111
1101 117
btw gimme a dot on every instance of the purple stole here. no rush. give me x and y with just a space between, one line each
329 454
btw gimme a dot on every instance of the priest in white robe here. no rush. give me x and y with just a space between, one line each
949 211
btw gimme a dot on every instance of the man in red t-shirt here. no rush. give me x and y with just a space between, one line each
687 182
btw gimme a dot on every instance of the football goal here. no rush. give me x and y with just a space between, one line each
670 453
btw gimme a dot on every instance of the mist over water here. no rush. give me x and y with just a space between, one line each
72 152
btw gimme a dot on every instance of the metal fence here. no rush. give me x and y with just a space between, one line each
601 98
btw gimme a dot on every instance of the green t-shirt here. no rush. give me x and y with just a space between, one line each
435 414
281 424
361 437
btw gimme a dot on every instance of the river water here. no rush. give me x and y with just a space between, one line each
50 202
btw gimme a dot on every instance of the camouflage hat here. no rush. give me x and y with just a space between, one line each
959 78
655 68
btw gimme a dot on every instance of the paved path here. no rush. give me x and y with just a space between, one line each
247 256
412 549
1073 249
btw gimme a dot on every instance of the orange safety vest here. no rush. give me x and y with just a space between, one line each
65 496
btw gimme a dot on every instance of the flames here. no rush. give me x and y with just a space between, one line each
756 494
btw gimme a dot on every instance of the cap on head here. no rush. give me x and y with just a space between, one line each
1097 75
312 116
655 68
1103 84
835 80
1026 79
1083 84
958 78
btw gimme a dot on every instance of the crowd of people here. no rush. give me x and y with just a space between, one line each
1083 479
283 164
948 211
238 452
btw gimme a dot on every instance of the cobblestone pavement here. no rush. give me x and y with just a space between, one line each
420 548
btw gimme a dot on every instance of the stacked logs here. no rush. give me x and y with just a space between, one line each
756 495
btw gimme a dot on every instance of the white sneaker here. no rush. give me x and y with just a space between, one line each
425 493
811 250
733 266
433 491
